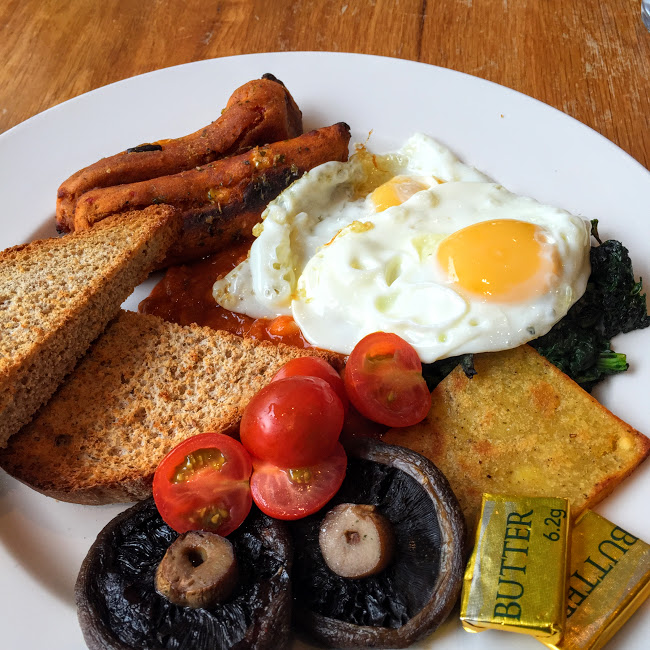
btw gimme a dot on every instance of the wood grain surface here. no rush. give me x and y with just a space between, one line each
588 58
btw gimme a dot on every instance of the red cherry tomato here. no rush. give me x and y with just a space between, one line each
295 493
314 367
292 422
383 377
203 484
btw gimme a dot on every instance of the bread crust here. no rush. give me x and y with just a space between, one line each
58 296
222 201
258 112
145 386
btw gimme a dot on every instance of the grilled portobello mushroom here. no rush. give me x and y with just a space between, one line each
119 608
416 574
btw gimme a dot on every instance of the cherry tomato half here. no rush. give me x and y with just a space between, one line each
383 377
314 367
292 422
203 484
295 493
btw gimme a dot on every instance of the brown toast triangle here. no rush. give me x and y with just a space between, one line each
57 295
145 386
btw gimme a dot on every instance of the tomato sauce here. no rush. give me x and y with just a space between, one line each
184 296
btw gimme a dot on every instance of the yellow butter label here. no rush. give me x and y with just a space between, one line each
516 577
609 579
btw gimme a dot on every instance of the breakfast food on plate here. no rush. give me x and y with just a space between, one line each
199 569
383 377
59 294
203 483
520 426
579 343
118 576
259 112
220 201
220 177
613 303
348 257
243 599
414 243
145 386
408 594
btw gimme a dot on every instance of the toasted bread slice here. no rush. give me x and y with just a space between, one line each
57 296
145 386
521 426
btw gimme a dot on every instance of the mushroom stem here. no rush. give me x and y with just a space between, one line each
199 569
356 541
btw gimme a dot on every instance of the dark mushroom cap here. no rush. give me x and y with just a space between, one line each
119 609
417 591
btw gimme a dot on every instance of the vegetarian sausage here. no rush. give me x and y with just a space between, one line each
258 112
223 200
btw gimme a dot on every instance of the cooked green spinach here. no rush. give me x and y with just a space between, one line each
612 304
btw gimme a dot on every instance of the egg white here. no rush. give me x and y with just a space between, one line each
343 270
384 276
311 211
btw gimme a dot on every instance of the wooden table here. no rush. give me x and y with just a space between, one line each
589 58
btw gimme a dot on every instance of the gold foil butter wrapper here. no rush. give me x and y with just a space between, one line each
609 579
516 577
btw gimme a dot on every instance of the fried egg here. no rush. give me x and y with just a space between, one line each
415 243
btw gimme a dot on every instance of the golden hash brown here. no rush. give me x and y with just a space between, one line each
521 426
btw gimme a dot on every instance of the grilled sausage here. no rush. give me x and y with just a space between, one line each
258 112
223 200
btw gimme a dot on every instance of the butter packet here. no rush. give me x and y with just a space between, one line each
609 579
516 577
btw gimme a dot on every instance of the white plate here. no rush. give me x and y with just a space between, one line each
529 147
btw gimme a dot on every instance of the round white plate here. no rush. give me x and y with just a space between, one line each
527 146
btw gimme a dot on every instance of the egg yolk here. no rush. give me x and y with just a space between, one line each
395 191
503 260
